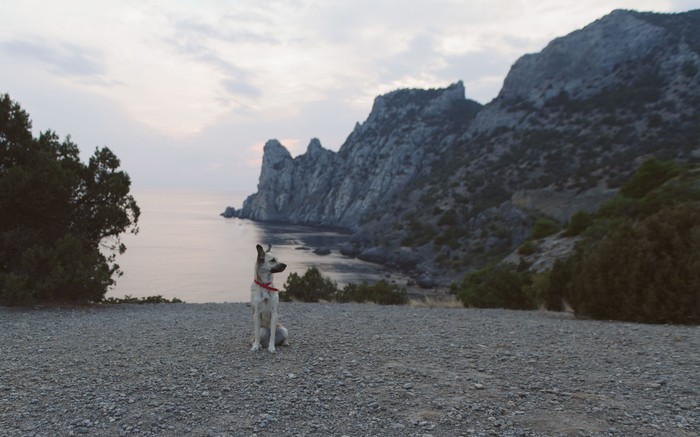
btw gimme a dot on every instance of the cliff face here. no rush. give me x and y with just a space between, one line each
405 132
447 184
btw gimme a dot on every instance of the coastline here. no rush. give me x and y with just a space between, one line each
351 369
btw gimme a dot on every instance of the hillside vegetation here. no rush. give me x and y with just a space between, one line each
637 257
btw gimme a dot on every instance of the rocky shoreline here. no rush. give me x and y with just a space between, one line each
351 369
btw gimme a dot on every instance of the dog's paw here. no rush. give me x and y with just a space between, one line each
256 346
271 349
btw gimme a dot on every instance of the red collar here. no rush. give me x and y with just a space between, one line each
265 285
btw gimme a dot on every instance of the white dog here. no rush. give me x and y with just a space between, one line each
264 299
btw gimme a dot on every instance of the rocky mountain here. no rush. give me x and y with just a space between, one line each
406 131
439 184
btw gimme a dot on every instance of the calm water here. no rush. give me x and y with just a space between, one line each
185 249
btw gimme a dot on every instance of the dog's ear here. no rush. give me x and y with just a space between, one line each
269 248
261 253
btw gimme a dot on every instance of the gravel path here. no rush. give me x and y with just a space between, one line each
350 370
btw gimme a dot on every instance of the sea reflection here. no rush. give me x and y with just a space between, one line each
185 249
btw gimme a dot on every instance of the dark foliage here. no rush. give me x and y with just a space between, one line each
314 287
527 248
55 215
501 286
559 278
381 292
644 271
311 287
650 175
578 223
141 300
639 259
544 227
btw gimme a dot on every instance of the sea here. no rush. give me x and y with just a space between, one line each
185 249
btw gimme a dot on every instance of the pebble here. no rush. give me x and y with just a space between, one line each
351 369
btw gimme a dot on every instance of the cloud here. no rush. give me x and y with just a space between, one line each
421 57
61 58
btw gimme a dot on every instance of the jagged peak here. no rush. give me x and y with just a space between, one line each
314 145
273 148
426 100
454 91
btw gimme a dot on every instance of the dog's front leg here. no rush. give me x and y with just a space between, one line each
273 326
256 328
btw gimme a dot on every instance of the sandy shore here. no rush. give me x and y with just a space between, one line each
350 370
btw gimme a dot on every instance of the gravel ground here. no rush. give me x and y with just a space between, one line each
350 370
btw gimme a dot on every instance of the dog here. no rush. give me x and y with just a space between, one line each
264 299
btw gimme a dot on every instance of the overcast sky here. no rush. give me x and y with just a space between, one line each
186 93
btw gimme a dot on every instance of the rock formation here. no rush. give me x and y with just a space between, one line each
405 132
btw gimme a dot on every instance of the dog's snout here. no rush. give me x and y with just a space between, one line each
279 268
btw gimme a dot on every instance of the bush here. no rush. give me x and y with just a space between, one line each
558 284
527 248
140 300
501 286
312 287
650 175
578 223
65 271
544 227
646 271
540 289
381 292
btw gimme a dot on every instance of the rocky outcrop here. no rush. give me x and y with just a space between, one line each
585 57
405 132
438 184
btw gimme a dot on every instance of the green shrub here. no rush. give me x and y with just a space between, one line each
646 271
312 287
67 270
619 206
559 280
501 286
650 175
578 223
544 227
381 292
540 288
140 300
527 248
639 259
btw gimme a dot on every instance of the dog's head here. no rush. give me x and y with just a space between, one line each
267 263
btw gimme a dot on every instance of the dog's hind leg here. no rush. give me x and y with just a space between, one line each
281 335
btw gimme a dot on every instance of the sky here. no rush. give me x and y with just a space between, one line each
186 92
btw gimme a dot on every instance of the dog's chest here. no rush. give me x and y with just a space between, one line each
265 308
